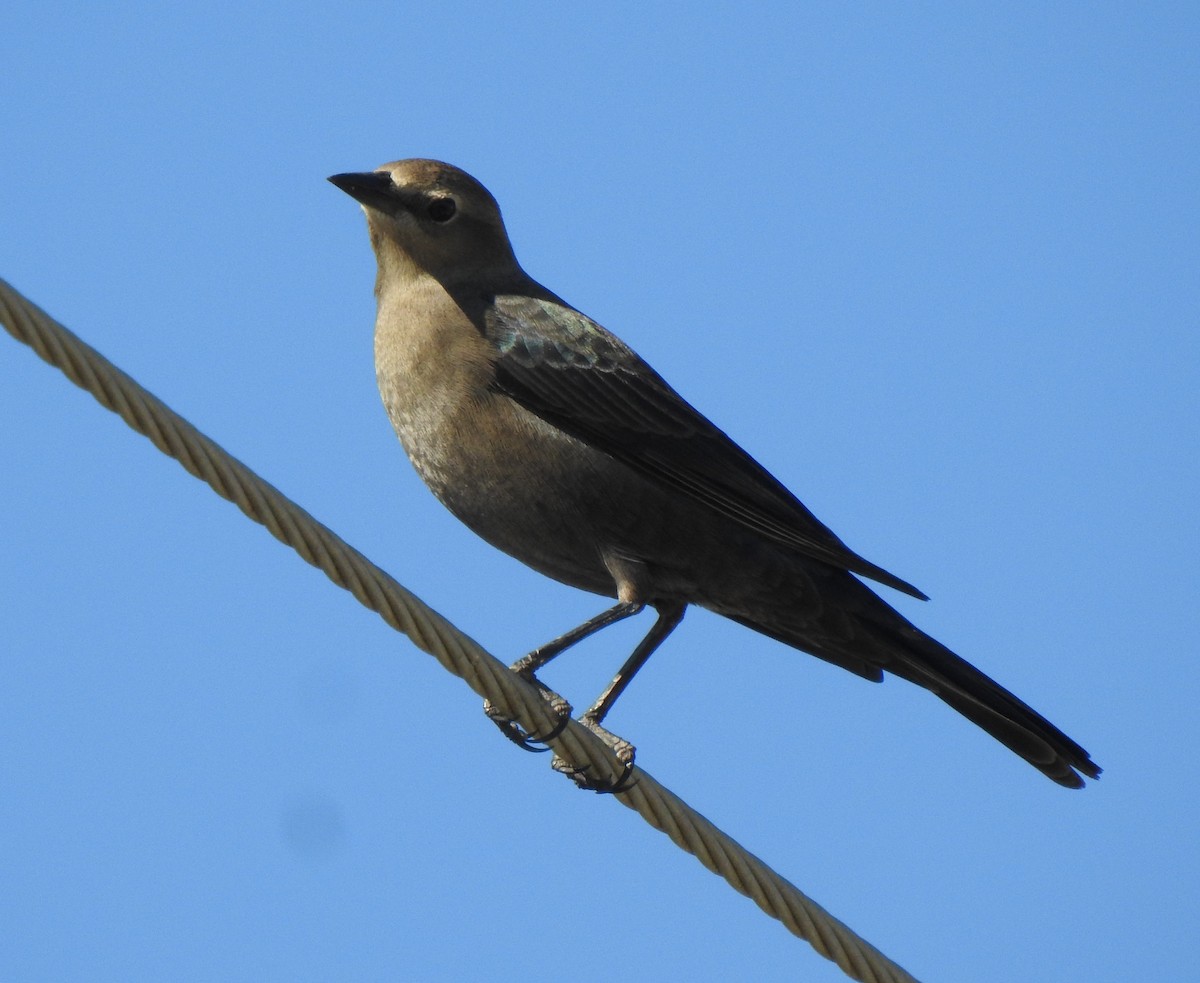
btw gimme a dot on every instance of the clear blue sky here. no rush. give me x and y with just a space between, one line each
936 266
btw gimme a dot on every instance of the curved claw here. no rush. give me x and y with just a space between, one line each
520 737
513 731
601 786
622 784
624 751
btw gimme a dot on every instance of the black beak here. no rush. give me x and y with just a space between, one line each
370 188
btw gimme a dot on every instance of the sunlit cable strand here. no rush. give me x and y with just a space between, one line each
457 652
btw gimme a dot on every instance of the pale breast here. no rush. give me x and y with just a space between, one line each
518 482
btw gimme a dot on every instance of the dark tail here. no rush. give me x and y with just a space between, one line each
980 699
865 635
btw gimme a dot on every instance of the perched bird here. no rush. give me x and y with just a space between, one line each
551 439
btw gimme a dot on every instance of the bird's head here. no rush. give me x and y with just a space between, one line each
428 217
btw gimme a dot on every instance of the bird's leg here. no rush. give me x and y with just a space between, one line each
528 665
531 663
668 617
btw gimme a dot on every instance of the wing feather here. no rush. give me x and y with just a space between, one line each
570 371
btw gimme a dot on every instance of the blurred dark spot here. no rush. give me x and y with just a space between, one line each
313 827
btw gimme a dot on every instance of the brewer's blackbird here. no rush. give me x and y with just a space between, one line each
551 439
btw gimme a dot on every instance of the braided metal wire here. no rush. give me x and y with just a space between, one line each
458 653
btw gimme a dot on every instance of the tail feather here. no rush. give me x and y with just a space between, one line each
868 637
926 662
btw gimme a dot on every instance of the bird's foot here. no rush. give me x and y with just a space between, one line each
522 738
624 751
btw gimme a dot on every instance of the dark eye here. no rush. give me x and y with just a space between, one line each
441 209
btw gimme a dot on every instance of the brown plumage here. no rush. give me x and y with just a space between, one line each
555 442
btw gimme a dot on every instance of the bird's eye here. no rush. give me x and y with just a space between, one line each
441 209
